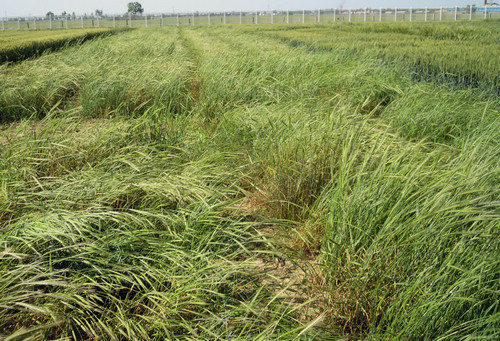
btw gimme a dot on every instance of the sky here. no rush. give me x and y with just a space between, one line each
14 8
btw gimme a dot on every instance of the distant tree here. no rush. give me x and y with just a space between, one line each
73 15
98 12
63 14
49 15
134 8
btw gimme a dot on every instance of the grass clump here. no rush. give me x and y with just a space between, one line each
407 240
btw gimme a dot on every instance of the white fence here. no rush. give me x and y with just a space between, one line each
265 17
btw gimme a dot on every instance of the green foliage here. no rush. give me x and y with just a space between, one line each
133 202
461 53
99 88
19 46
127 235
443 116
134 8
388 217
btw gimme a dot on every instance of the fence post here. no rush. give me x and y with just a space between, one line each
146 20
334 15
193 20
82 21
209 18
272 17
350 15
34 23
98 22
256 17
287 17
411 14
114 22
319 15
396 14
456 13
241 17
18 24
3 25
364 19
66 22
485 12
470 13
224 18
50 22
178 22
304 16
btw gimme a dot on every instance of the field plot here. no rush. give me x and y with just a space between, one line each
464 51
20 45
243 182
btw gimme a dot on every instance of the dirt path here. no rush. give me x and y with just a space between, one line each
295 276
194 56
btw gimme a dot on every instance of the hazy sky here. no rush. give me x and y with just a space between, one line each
13 8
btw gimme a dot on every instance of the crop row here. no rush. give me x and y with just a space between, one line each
460 53
134 208
16 46
87 77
